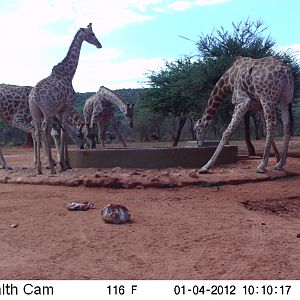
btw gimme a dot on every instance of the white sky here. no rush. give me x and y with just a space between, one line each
36 34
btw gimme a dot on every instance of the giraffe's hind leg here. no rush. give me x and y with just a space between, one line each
47 126
275 149
286 136
3 162
270 119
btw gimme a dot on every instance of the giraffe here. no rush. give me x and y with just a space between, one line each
99 108
14 111
76 130
54 96
253 83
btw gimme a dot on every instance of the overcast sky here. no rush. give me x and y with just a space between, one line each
137 35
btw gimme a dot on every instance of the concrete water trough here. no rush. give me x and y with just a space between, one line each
150 158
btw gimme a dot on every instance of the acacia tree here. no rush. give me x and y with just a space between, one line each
174 92
183 86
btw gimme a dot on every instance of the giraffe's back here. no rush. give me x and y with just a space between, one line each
13 100
264 77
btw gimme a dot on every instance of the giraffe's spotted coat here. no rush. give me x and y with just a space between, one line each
253 83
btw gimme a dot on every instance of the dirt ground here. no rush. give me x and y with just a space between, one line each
230 224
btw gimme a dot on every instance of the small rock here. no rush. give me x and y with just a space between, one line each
193 174
164 174
80 205
298 235
135 173
115 214
116 170
140 186
175 175
13 225
154 180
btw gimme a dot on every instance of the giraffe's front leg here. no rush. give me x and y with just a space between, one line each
62 162
239 111
64 155
114 124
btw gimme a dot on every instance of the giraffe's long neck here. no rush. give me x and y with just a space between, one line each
220 91
75 119
67 67
112 98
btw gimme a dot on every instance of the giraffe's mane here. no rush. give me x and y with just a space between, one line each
57 68
112 93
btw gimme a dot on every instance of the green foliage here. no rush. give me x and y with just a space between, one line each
245 40
174 89
182 87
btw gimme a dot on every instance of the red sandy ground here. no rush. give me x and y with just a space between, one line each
232 224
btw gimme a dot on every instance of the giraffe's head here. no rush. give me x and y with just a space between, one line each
77 135
129 114
91 134
90 37
200 129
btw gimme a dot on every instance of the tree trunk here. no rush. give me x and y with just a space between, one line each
192 124
250 147
28 142
256 121
291 120
182 121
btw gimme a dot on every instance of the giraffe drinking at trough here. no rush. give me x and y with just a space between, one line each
99 109
253 83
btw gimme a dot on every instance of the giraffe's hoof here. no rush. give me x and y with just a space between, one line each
278 167
68 167
63 168
203 170
261 170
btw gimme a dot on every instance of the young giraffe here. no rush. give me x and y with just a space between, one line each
54 96
76 130
14 111
253 83
99 109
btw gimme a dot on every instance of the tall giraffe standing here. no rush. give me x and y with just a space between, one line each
14 111
54 96
253 83
99 109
